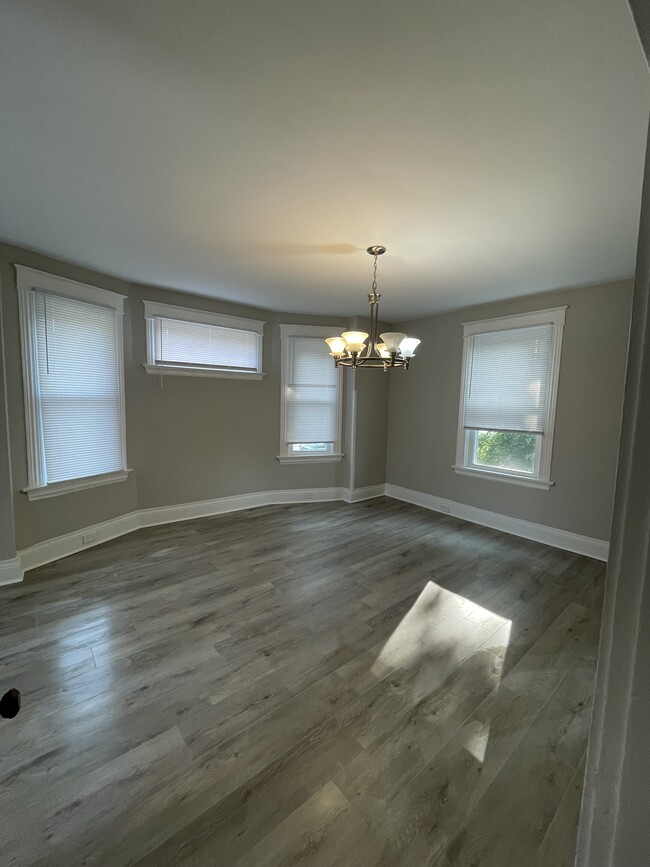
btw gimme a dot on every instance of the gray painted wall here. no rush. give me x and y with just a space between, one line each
424 404
371 426
614 829
369 390
194 438
224 434
631 573
7 535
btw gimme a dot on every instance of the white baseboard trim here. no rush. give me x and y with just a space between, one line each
70 543
11 571
222 505
368 493
596 548
88 537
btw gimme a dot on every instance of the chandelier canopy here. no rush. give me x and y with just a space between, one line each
390 349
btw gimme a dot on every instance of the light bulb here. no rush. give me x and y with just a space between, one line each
381 349
337 346
355 340
392 339
408 346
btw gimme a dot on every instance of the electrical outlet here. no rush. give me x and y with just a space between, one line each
445 508
309 495
87 538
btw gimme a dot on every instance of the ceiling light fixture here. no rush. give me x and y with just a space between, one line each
395 348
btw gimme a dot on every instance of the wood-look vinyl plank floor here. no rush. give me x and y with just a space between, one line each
368 684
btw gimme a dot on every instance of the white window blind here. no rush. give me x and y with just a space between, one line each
508 378
311 398
196 344
78 388
193 342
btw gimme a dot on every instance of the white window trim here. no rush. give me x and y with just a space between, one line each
28 280
153 309
71 485
497 476
541 480
285 456
532 480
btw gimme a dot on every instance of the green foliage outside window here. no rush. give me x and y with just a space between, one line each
513 451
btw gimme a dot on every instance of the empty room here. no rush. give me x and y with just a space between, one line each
324 412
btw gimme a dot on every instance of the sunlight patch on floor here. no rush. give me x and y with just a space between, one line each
477 740
440 624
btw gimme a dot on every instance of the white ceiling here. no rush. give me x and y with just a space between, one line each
252 149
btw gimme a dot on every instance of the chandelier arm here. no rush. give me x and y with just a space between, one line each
372 362
377 361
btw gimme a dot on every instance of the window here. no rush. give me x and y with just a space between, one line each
73 382
196 343
508 396
311 397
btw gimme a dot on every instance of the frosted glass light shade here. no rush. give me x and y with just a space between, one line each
408 346
381 349
392 339
337 346
356 340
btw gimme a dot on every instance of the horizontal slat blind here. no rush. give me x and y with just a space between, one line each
195 344
78 387
311 398
507 382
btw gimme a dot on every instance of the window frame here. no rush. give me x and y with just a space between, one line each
28 281
471 436
465 465
154 309
286 455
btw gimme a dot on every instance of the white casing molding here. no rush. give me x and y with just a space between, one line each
542 480
315 332
28 282
71 543
596 548
11 571
155 312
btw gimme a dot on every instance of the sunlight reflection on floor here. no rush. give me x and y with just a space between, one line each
439 631
477 740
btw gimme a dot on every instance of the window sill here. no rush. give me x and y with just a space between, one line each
168 370
310 459
71 485
524 481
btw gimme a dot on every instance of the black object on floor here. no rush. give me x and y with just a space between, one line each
10 704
